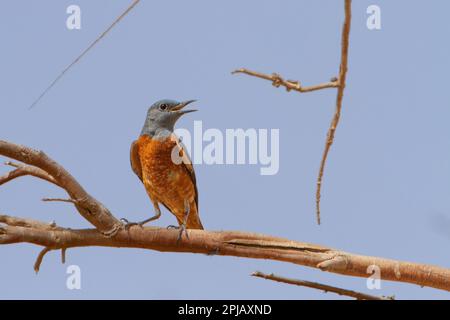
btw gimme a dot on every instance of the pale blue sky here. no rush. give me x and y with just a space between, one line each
386 184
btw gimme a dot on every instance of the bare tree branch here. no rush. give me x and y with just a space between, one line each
59 200
25 170
226 243
110 232
278 81
339 97
319 286
63 255
91 209
40 257
28 223
135 2
338 83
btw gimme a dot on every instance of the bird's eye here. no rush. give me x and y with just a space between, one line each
163 106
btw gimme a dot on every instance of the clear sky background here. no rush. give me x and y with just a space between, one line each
387 181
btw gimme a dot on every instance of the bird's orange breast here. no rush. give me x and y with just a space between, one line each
165 181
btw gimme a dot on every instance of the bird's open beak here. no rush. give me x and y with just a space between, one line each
180 106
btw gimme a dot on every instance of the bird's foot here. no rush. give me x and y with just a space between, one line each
128 225
182 229
180 235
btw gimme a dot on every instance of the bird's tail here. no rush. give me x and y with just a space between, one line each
193 221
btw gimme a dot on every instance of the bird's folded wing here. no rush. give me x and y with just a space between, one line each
187 165
135 160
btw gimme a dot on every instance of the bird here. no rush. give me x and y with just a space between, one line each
160 161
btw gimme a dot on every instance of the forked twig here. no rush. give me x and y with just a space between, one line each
338 83
278 81
339 97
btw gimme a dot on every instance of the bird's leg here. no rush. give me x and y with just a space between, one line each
182 227
187 210
155 217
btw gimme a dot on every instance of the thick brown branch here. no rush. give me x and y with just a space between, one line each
278 81
231 243
319 286
339 97
91 209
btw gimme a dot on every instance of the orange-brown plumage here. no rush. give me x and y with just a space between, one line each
165 181
161 163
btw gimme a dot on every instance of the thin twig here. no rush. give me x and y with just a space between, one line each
135 2
338 83
11 175
89 207
60 200
39 259
28 223
278 81
319 286
63 255
25 170
13 164
339 97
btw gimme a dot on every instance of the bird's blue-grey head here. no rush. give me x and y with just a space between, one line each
162 116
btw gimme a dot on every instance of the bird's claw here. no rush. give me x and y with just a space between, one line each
128 225
182 229
180 235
